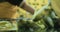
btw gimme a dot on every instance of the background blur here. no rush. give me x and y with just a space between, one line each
44 24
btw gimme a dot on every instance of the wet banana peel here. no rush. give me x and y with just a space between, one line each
10 11
56 6
7 10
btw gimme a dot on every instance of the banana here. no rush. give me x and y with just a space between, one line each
56 6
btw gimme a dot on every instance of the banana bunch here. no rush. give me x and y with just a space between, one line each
42 11
4 25
30 26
